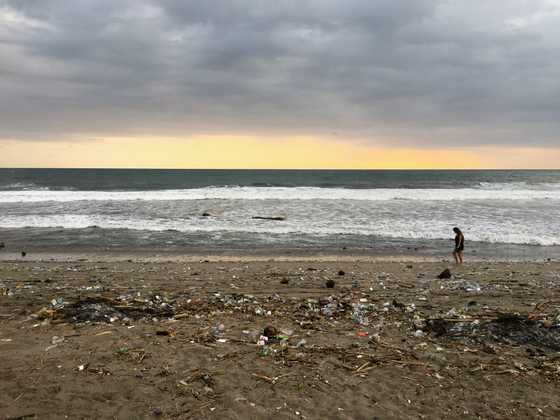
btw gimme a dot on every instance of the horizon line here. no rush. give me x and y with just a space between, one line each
273 169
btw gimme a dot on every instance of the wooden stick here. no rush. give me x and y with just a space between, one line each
264 378
362 367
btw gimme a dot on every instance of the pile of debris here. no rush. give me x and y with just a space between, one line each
105 310
509 329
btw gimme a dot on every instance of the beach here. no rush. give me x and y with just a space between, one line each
87 335
278 294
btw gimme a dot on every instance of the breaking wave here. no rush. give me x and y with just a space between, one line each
282 193
405 228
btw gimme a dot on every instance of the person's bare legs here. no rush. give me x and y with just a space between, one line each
456 256
460 255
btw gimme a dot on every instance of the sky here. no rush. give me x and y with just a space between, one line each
280 84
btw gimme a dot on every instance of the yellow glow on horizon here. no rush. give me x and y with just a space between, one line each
237 152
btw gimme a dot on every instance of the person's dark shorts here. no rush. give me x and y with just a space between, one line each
460 249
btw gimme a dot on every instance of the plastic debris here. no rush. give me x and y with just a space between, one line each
301 343
58 303
218 330
57 340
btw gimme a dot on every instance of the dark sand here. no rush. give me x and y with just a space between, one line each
484 344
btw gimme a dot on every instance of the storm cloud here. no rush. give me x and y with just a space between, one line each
416 72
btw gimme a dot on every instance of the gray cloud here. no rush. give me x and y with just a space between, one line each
425 72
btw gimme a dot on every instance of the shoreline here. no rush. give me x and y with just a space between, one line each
244 256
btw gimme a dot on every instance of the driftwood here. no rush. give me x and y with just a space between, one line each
277 218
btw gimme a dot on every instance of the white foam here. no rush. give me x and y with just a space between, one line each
282 193
521 185
406 227
22 186
498 213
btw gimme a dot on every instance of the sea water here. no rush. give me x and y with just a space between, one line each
319 208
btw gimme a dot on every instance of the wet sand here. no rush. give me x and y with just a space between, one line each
120 243
175 336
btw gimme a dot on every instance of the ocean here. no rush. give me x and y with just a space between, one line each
323 209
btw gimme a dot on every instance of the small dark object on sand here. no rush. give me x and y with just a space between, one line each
22 417
206 214
445 274
330 284
270 332
341 273
277 218
23 253
285 281
163 333
398 304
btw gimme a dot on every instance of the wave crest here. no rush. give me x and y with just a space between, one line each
282 193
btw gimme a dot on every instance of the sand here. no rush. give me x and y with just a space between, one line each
95 337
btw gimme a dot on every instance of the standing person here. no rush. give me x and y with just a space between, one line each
459 245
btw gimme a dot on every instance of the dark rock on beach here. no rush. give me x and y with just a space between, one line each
270 332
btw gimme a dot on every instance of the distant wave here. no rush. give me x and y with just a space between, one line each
22 186
519 186
282 193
